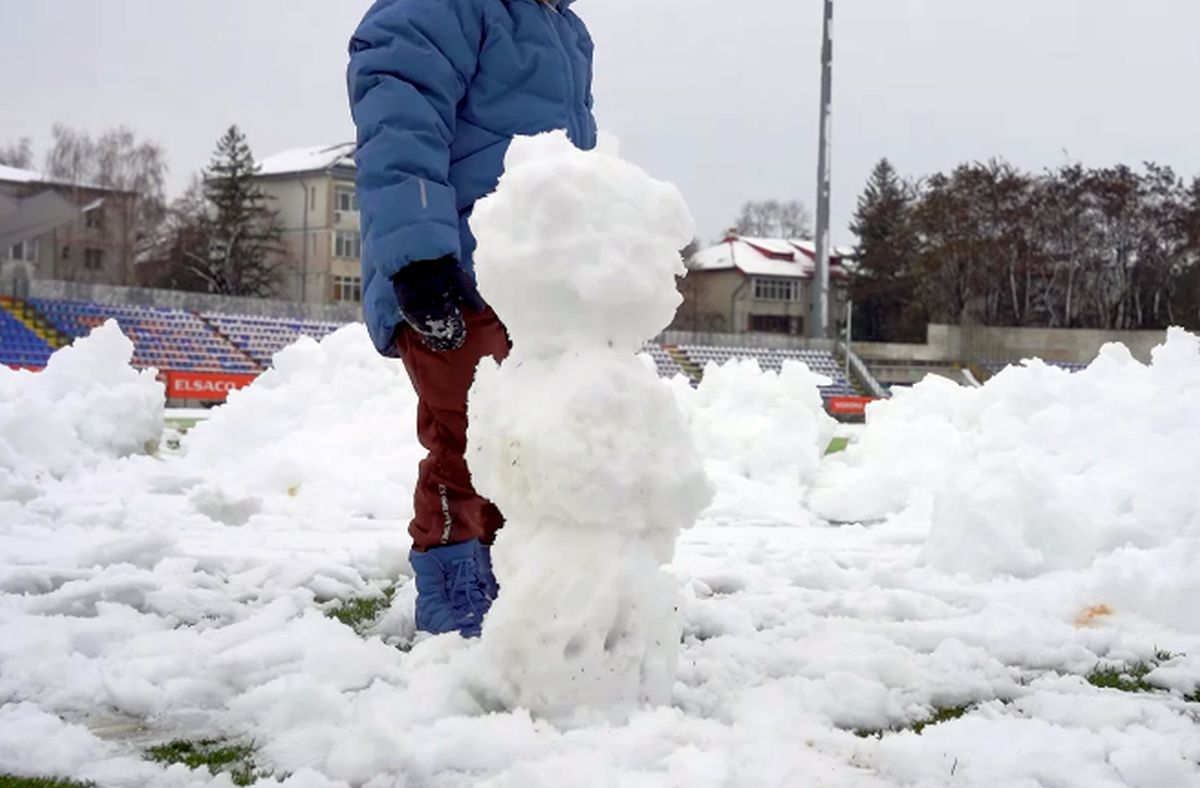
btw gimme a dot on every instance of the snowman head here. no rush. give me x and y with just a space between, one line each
579 249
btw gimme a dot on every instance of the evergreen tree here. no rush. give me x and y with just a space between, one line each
883 285
236 246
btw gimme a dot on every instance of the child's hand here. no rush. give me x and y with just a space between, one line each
431 294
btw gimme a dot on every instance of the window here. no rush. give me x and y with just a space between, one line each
347 245
775 289
94 218
26 252
66 253
347 288
93 259
346 199
312 198
772 324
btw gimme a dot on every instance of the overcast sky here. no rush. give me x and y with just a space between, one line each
719 96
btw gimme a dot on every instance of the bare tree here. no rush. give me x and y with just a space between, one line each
72 155
1109 248
180 238
117 161
17 154
137 169
774 219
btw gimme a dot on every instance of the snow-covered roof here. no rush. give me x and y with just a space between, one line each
15 175
782 257
320 158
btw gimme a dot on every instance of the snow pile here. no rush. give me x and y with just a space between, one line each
127 618
576 441
1040 469
329 428
88 404
762 434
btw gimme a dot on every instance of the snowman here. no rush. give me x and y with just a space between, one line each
574 437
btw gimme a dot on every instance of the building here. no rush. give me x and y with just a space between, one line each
65 231
760 285
312 189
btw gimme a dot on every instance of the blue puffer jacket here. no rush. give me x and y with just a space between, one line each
438 89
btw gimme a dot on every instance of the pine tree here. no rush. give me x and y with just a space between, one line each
237 248
883 286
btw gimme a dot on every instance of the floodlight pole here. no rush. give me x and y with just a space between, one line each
819 326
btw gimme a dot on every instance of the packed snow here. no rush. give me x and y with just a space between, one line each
86 406
576 441
923 609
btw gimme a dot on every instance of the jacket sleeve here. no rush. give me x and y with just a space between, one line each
410 64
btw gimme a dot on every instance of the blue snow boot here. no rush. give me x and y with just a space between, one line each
489 577
452 593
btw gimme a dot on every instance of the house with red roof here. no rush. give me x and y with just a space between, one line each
757 285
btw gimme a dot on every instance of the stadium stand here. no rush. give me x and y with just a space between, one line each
162 338
20 346
179 341
263 337
667 366
823 362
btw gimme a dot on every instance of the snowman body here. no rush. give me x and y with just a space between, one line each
574 437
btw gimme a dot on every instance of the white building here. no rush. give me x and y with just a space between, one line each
312 189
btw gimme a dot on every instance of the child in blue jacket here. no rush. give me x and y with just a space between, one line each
438 89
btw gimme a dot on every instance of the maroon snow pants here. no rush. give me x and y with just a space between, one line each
447 510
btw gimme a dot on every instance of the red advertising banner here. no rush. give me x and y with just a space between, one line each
849 406
210 386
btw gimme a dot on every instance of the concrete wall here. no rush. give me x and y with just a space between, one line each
193 302
978 344
1072 345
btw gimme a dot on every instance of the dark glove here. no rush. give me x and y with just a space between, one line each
431 294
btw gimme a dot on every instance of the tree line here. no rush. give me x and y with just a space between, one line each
990 244
221 236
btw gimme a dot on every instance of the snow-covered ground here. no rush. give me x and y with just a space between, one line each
1011 539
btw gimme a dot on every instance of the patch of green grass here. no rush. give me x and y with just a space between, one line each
943 715
181 424
219 755
939 716
360 613
1126 676
1131 676
837 445
8 781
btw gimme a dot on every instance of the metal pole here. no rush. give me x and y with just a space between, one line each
304 244
820 301
849 333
